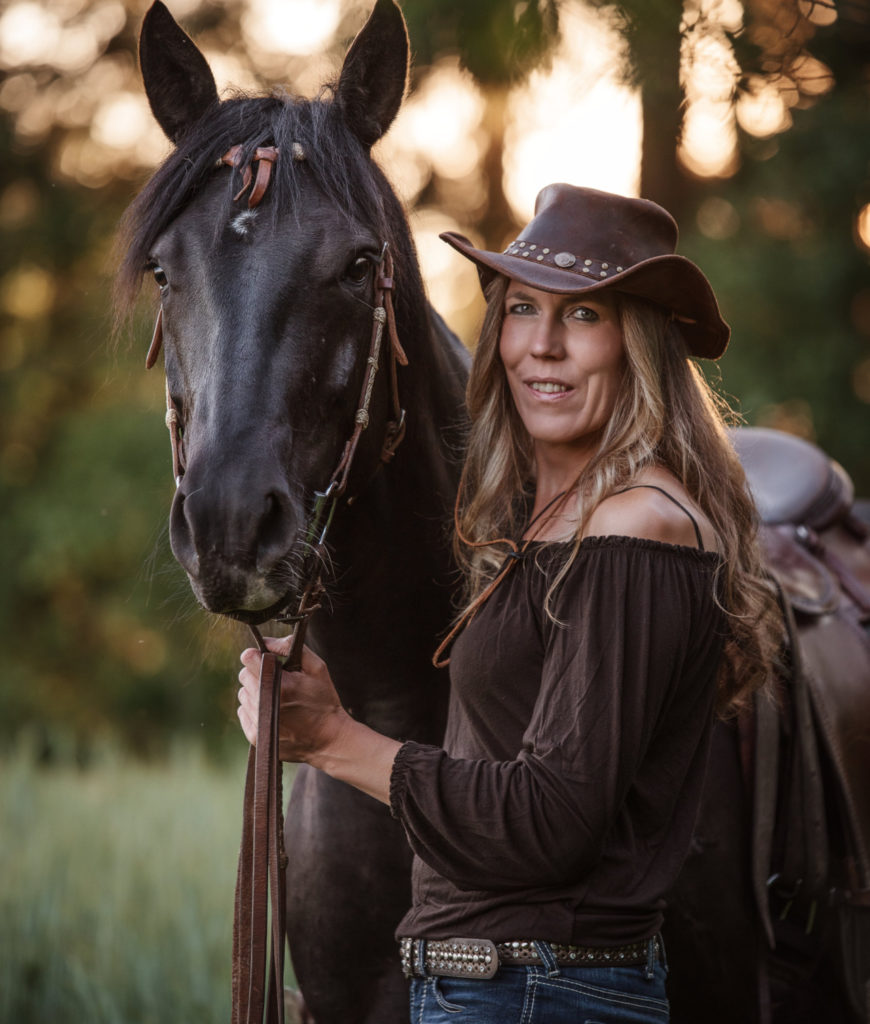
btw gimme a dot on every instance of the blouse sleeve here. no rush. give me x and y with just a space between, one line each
615 667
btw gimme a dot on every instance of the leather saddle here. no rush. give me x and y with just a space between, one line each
811 783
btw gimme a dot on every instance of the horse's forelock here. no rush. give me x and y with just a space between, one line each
339 164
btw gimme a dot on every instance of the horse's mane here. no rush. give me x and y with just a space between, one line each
339 164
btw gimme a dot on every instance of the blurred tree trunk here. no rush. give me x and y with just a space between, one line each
654 40
498 223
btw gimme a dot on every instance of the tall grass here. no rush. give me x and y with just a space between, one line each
116 887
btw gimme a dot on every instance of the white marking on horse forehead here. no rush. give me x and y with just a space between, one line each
243 221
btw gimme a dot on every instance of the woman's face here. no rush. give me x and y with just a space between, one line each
563 356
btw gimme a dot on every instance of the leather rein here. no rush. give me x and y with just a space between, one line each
260 881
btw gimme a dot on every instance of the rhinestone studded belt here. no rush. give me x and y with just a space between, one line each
481 958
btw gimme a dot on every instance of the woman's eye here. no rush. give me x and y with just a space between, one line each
159 275
584 313
358 270
520 308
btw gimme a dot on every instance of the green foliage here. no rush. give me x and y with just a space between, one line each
116 890
498 41
100 631
793 282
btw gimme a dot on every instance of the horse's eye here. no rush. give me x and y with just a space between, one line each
159 275
358 270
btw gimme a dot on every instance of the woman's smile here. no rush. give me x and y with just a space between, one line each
549 388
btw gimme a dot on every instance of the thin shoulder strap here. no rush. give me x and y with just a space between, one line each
670 497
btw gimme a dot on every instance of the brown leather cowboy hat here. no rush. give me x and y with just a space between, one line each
582 241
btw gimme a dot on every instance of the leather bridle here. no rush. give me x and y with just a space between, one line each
262 865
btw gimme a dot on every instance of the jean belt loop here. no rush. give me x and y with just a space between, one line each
548 958
651 951
420 959
663 956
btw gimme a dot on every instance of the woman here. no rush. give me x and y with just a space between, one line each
588 662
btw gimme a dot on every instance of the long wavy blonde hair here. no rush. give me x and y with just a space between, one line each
666 415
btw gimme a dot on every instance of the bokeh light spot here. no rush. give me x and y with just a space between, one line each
761 110
19 204
29 34
819 13
27 292
812 76
862 225
709 71
121 120
298 27
578 122
708 147
451 282
717 218
442 120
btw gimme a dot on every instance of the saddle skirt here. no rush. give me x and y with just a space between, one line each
818 552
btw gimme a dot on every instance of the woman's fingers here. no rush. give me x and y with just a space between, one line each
279 645
311 663
311 713
249 693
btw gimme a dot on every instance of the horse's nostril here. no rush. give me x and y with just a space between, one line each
181 534
275 532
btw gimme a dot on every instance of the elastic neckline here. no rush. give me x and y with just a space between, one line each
619 540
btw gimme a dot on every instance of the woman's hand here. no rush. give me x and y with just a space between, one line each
314 727
312 718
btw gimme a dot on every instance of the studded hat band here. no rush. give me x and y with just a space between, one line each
589 266
481 958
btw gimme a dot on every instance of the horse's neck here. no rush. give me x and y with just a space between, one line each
391 593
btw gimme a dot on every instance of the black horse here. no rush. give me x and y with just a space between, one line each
266 320
266 306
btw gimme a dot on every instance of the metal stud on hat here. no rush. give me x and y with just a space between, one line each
582 240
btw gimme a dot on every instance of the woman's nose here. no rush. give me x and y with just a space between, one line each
546 340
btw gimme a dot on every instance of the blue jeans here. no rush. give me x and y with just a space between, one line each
545 995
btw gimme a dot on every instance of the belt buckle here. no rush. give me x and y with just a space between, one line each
462 958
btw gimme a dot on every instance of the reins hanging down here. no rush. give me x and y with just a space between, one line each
257 978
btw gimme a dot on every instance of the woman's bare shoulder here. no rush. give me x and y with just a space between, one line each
644 511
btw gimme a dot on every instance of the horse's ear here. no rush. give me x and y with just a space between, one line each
178 81
374 74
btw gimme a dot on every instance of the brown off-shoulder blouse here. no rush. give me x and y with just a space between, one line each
562 804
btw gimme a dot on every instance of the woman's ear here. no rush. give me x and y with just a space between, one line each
178 81
375 73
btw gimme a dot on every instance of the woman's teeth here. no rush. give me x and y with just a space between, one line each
547 387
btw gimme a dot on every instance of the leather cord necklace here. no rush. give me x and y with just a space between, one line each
257 979
514 555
